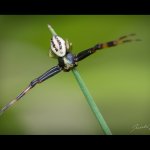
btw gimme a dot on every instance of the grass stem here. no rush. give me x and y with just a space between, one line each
91 102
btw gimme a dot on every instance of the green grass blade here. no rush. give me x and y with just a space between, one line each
91 102
51 30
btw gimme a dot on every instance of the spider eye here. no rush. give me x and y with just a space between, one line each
58 46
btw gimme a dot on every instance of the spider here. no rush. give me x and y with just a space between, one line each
61 49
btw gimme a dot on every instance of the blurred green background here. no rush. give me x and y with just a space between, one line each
118 78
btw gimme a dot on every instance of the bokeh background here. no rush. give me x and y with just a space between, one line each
118 78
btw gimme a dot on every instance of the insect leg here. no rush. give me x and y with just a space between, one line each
40 79
121 40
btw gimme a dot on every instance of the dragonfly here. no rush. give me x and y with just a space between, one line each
62 50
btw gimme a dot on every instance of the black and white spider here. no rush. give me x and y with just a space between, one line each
61 49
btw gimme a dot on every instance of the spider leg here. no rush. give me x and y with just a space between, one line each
121 40
40 79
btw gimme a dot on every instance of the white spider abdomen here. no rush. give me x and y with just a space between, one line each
58 46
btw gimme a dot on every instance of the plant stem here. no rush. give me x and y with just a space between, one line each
51 30
91 102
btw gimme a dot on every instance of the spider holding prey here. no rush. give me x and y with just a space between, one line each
61 49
